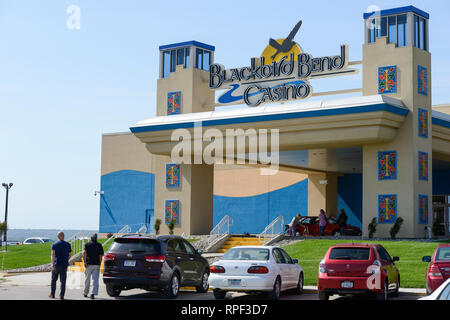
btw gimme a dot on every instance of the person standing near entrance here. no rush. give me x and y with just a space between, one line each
342 220
323 220
293 225
92 255
61 254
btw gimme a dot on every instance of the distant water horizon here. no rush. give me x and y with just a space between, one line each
19 235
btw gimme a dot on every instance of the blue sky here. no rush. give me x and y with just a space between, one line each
60 89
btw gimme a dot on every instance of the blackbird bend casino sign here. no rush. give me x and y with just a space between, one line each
280 74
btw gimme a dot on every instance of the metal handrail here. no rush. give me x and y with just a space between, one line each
142 229
273 229
77 242
125 229
220 229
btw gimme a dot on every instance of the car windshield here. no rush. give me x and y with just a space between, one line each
443 254
246 254
47 240
135 245
350 254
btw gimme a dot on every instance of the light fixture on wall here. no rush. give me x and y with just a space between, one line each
98 192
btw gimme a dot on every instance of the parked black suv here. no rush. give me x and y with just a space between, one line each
154 263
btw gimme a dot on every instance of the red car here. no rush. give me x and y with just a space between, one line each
309 226
358 268
438 270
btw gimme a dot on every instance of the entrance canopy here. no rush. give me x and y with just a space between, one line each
332 129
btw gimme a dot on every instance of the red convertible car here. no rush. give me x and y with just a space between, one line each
309 226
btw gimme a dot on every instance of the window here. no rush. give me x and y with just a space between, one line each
175 246
206 59
372 31
246 254
423 34
445 294
203 59
382 254
278 256
172 60
392 29
287 258
401 30
187 55
180 57
443 254
383 27
350 254
166 64
135 245
189 248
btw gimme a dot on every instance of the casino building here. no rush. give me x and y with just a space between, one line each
382 154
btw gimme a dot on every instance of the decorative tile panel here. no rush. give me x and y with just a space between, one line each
422 80
423 166
423 123
172 175
387 208
423 209
174 103
387 165
387 80
172 211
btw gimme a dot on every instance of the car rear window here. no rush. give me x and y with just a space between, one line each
135 245
246 254
443 254
350 254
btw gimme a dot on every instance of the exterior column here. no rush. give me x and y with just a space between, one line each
322 194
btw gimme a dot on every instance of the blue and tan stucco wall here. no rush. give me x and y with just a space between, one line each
128 182
251 199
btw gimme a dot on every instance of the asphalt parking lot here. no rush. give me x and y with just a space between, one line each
36 286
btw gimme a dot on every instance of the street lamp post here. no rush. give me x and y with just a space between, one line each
7 187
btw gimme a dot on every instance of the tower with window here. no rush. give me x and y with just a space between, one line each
397 64
183 87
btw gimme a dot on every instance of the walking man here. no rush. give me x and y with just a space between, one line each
342 220
92 255
61 254
293 225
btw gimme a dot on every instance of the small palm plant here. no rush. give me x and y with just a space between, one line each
372 227
157 225
171 226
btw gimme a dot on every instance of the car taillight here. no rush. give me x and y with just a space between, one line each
217 269
322 267
258 269
434 271
109 257
156 258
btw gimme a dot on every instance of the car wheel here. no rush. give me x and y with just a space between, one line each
204 285
173 287
276 292
323 296
219 294
299 289
384 294
113 291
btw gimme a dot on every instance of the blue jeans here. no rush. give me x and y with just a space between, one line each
322 230
60 271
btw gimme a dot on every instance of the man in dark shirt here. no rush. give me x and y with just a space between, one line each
61 253
92 255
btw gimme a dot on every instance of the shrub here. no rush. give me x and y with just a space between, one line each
396 227
372 227
157 225
109 235
171 226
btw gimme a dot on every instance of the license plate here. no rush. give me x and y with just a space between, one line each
347 284
235 282
129 263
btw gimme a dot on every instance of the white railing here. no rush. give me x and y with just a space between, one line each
273 229
221 229
142 229
125 229
77 242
